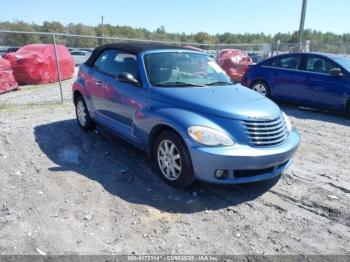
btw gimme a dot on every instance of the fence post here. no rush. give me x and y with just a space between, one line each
272 47
307 45
57 66
217 54
278 46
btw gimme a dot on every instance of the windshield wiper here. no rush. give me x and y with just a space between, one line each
218 83
177 83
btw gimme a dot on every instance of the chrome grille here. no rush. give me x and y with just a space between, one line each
266 132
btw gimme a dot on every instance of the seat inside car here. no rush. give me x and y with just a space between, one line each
292 64
319 66
130 66
161 68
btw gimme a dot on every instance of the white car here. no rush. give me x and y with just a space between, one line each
80 56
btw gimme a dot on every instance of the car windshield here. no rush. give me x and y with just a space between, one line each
343 61
185 69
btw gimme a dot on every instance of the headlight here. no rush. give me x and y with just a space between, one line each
288 123
209 137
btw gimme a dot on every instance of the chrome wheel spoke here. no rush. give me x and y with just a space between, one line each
166 146
162 151
171 149
177 166
173 171
168 171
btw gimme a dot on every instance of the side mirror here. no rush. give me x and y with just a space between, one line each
336 72
128 78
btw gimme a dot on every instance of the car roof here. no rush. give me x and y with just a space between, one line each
132 48
329 55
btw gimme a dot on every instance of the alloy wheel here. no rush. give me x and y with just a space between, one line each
169 160
260 88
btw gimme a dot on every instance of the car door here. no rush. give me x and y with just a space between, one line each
96 78
320 88
285 77
123 101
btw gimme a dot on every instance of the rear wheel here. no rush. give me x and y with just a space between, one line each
261 87
172 160
82 114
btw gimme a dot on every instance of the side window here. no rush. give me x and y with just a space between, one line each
102 62
267 62
113 62
126 63
319 65
287 62
78 53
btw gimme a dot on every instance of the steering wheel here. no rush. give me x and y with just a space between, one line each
200 74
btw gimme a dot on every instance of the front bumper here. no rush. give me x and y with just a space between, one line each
243 163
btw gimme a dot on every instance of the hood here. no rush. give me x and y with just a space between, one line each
235 102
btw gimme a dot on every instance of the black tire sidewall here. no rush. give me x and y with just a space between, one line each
89 123
186 177
268 92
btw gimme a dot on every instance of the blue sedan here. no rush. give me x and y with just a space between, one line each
180 107
308 79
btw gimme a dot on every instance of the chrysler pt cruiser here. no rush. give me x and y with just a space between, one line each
181 108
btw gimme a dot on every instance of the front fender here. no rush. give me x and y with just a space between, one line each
178 119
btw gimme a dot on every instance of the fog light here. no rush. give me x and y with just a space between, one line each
221 174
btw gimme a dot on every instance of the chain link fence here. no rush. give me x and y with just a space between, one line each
37 77
337 47
42 78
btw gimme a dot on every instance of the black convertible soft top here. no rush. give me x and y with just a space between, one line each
130 47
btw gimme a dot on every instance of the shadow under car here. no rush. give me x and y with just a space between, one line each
126 172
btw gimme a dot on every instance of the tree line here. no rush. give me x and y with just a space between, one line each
318 39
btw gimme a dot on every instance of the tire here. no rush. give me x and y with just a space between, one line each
348 110
83 117
261 87
173 166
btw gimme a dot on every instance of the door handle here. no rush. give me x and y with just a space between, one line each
99 83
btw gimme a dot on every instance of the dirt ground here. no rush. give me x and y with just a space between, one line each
65 191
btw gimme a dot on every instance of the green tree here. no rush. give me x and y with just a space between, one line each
81 37
17 39
319 41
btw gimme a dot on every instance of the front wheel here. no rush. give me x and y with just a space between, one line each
261 87
172 160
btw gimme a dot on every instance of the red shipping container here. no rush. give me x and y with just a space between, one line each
7 81
36 64
234 62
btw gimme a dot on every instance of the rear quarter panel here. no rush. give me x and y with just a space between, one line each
81 83
257 72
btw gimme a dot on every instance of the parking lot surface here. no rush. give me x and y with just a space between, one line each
65 191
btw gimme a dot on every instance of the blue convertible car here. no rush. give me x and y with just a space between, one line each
307 79
179 106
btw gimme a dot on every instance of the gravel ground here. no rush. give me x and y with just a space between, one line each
65 191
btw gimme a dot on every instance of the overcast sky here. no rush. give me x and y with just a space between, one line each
189 16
